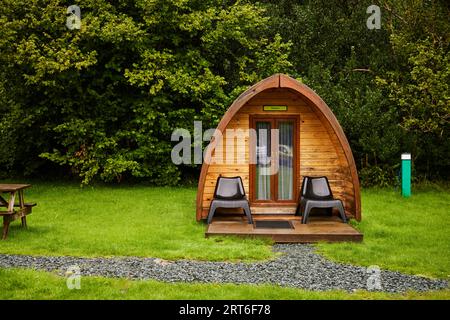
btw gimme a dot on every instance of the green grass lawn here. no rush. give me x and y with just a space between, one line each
121 221
29 284
410 235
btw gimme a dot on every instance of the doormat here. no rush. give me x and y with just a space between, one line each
273 224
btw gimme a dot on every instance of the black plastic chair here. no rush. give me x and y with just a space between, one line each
229 193
316 193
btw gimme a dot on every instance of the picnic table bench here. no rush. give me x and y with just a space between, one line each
11 214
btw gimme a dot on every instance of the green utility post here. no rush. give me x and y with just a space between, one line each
406 174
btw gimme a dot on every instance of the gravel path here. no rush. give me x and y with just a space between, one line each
299 267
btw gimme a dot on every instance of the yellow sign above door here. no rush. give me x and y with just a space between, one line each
275 108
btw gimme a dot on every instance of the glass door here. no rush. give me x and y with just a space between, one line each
273 176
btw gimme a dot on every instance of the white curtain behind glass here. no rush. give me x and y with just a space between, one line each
285 153
263 164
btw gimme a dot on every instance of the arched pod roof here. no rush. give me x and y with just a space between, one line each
284 81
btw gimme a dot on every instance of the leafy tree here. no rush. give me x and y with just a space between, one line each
103 101
387 87
418 84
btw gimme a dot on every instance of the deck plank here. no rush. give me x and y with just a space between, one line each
328 229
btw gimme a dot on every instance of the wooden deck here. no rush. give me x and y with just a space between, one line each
329 229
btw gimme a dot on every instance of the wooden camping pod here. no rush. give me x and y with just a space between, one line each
321 148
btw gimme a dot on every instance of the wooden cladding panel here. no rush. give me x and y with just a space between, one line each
318 155
276 97
239 121
291 109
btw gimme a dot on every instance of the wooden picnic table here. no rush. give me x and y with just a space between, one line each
12 214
